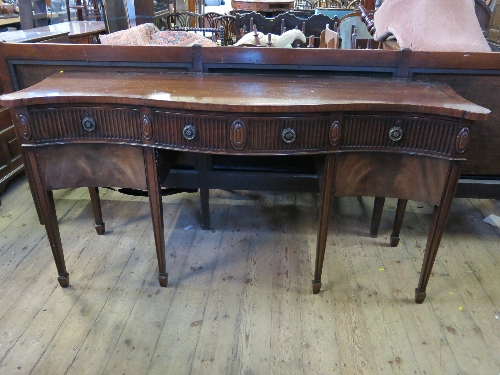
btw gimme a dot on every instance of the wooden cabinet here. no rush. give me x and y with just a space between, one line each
10 153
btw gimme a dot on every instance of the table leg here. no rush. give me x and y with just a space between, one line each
326 194
49 217
203 164
31 184
438 223
378 208
398 221
155 202
96 208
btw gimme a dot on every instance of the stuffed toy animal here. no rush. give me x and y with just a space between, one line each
249 39
284 40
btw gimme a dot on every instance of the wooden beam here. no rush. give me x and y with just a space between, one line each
144 11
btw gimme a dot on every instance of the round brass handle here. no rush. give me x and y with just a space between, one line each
395 133
288 135
88 123
189 132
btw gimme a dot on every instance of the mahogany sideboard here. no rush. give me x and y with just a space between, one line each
375 137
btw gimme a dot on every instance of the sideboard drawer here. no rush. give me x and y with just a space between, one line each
75 123
289 134
190 131
241 134
425 135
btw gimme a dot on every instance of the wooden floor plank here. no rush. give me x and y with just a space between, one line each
423 331
461 319
192 286
26 293
86 311
134 349
62 302
351 330
317 327
223 320
239 299
390 280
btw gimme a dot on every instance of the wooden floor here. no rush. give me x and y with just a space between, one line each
239 299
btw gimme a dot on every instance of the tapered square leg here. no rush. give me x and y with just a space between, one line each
419 296
398 222
163 279
63 280
378 208
438 222
326 193
316 286
49 216
156 205
203 166
96 208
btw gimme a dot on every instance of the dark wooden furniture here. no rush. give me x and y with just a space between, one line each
82 32
35 36
85 10
11 163
312 25
263 6
78 32
369 137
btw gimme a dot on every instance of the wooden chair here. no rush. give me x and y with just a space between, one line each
183 19
244 23
353 4
207 19
349 23
304 4
228 23
313 4
329 38
85 11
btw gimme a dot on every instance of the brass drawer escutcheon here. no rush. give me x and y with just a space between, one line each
396 133
288 135
88 123
189 132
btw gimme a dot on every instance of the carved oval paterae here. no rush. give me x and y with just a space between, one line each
24 127
288 135
189 132
395 133
88 123
463 140
147 129
238 135
334 136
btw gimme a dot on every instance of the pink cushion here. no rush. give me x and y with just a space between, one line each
148 33
181 38
138 35
430 25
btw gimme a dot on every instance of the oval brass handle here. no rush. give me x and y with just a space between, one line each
288 135
88 123
395 133
189 132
